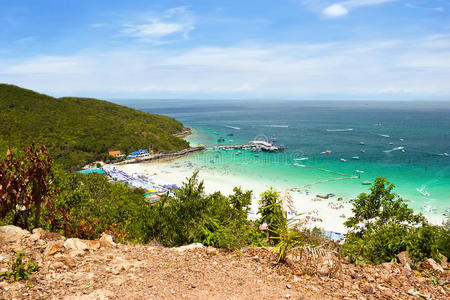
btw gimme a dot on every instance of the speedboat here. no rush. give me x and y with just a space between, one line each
343 160
366 182
363 150
362 143
355 157
326 152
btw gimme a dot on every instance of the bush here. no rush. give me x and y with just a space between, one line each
191 216
383 226
20 271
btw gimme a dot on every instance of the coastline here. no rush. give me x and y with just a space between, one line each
328 214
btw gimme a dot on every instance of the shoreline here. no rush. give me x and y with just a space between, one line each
328 214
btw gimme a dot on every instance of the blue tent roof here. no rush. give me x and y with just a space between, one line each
140 151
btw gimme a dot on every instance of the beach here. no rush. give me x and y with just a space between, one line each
328 214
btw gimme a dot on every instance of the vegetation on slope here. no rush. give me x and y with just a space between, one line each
80 130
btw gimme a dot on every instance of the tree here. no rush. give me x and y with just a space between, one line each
383 226
272 213
25 179
379 207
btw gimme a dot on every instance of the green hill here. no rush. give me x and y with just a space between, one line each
80 130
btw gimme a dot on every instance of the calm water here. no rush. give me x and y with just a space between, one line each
421 173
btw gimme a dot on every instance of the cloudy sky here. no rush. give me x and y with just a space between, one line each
234 49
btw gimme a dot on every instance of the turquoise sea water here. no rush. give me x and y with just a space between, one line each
421 173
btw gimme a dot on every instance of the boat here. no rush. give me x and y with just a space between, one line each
362 143
366 183
216 133
221 140
239 152
230 134
326 152
256 155
363 150
391 143
281 147
355 157
343 160
446 154
403 150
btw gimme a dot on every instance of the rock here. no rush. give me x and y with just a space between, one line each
431 265
256 258
288 286
46 235
405 260
12 234
75 244
395 283
107 241
415 293
75 253
368 288
325 265
188 247
444 261
287 296
92 245
387 293
54 247
57 265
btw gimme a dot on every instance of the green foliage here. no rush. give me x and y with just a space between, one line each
79 130
19 270
443 239
383 226
288 237
88 205
272 213
191 216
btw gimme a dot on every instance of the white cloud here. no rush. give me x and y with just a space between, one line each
387 69
335 10
174 22
97 25
342 8
437 9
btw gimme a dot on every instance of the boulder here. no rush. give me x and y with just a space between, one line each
75 244
12 234
405 260
444 261
431 265
107 241
188 247
54 247
92 245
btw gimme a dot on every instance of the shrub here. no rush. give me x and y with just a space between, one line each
19 271
383 226
272 213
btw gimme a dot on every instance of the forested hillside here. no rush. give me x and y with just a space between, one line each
80 130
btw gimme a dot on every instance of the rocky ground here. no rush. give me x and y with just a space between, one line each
80 269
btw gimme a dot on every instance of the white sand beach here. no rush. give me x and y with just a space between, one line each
324 213
328 214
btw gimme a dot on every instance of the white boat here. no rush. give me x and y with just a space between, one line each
343 160
355 157
326 152
362 143
363 150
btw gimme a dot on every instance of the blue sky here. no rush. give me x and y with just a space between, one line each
285 49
